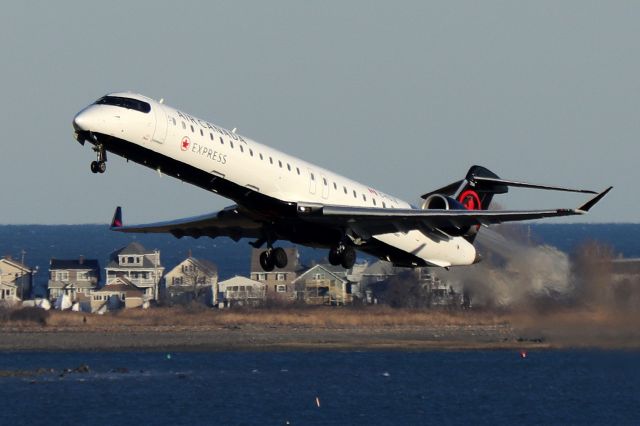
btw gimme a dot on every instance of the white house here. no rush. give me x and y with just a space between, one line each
138 265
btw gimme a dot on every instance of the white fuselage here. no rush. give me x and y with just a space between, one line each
247 163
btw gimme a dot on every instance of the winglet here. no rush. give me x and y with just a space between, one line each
116 222
592 202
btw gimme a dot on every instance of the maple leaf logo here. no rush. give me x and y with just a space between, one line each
184 144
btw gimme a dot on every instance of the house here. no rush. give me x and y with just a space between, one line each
71 277
278 283
242 291
324 285
117 293
14 272
138 265
375 273
192 279
8 293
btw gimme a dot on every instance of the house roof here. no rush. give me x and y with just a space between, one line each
205 266
293 264
132 248
120 284
146 264
336 271
16 263
81 264
238 280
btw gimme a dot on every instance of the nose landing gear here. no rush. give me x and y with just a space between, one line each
99 166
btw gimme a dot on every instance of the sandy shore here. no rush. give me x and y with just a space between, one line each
265 338
315 330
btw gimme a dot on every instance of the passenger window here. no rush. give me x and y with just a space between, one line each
313 177
384 205
298 170
201 132
324 181
231 144
289 166
192 129
261 156
271 160
173 120
221 141
354 194
184 126
345 189
335 186
364 197
280 163
211 136
374 202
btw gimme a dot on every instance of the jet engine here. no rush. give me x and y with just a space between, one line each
442 202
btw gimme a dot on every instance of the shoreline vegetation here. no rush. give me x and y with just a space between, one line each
195 328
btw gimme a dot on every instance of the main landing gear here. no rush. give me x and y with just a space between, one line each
100 165
342 255
272 258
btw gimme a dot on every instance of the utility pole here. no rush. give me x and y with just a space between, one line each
23 252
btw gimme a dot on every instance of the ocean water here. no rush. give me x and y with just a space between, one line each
324 388
43 242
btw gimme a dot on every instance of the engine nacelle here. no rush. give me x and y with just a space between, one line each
441 202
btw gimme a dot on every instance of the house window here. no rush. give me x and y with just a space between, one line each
62 275
281 288
262 277
83 276
281 277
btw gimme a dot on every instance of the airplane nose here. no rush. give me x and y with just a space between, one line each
81 122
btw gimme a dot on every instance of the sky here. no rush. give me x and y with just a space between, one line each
402 96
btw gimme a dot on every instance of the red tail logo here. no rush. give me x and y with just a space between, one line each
470 200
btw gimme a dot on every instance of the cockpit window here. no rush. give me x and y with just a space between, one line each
128 103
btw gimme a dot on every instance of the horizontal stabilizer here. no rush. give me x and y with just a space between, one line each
490 180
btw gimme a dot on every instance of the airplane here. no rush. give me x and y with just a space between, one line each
280 197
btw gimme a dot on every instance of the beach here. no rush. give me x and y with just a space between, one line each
176 329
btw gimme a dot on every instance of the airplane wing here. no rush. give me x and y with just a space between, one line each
374 221
229 222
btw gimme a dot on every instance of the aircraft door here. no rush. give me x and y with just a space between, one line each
312 182
160 133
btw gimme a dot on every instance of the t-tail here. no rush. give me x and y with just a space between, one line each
476 192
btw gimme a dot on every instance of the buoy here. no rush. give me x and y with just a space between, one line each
523 354
318 402
168 356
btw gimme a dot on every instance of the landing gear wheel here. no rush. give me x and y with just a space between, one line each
334 257
267 261
279 257
94 167
348 256
102 166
